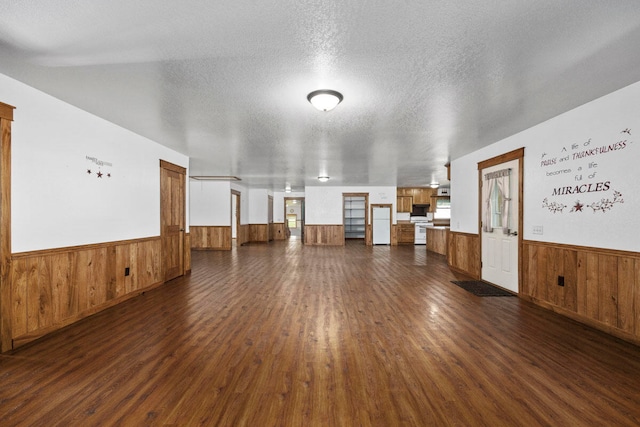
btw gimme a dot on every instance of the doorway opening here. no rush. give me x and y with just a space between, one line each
294 217
355 217
235 217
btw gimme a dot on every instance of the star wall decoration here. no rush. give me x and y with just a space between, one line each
99 174
89 171
577 207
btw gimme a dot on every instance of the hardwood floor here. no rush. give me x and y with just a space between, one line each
286 335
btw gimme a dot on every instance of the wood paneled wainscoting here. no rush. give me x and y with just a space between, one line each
243 235
278 231
324 235
259 233
54 288
210 237
599 287
463 253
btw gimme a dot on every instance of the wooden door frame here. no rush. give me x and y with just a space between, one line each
367 230
517 154
183 171
6 311
238 196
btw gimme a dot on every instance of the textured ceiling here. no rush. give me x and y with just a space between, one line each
226 83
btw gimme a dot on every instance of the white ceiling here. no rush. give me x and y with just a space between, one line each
226 83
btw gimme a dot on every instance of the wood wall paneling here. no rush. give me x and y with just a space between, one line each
278 231
325 235
394 235
259 233
601 287
243 234
187 252
463 253
210 237
53 288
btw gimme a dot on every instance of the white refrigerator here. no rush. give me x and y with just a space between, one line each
381 225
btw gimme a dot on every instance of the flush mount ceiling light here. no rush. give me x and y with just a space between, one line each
325 99
434 185
323 178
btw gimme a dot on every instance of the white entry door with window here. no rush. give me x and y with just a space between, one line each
499 202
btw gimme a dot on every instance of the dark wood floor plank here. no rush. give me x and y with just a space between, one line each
282 334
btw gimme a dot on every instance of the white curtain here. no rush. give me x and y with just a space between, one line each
499 181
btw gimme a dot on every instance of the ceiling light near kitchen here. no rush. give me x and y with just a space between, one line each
323 178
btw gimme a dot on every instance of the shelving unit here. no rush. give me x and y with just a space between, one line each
354 217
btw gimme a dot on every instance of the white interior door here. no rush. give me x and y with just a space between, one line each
500 192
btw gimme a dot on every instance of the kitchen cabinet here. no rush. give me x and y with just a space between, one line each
404 204
404 192
422 196
406 233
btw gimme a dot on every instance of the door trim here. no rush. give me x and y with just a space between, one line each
6 118
517 154
238 196
368 238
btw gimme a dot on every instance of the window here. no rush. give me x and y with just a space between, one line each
292 220
443 208
497 200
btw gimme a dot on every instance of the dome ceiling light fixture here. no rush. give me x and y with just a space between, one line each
434 185
323 178
325 99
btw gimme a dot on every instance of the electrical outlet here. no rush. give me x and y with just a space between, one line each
560 280
537 229
126 271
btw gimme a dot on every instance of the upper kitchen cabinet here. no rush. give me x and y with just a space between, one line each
404 204
422 196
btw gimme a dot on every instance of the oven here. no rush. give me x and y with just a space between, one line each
420 237
420 229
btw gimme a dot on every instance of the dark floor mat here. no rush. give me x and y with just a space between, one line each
481 289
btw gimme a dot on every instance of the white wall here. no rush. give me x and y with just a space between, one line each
210 203
323 205
561 153
258 206
54 201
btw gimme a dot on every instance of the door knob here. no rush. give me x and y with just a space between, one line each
515 233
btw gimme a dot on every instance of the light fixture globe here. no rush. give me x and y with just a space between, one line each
323 178
325 99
